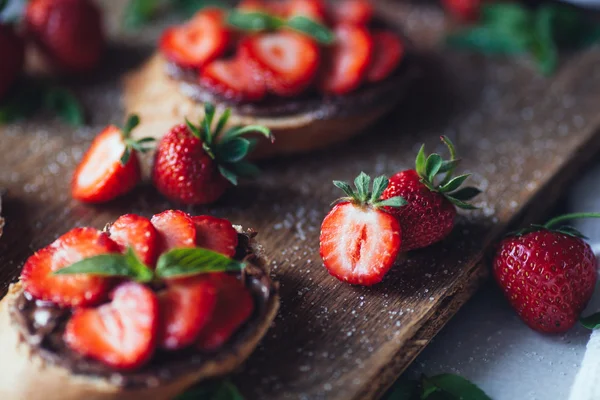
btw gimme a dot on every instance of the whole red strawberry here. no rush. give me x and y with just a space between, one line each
12 50
195 165
429 215
69 32
547 273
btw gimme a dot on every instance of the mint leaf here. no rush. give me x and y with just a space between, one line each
64 104
508 16
312 28
456 386
223 390
489 40
253 21
125 265
139 12
591 321
193 261
543 47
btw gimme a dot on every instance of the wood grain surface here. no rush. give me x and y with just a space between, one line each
522 136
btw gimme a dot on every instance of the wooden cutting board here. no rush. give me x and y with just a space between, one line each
523 136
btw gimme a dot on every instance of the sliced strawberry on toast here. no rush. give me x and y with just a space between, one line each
349 59
176 229
234 306
122 333
387 54
216 234
355 12
185 307
68 290
204 38
287 61
137 232
233 80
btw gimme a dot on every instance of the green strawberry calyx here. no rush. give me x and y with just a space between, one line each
429 167
364 196
142 145
227 147
556 225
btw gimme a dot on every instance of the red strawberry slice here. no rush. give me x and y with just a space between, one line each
356 12
359 244
68 290
348 61
387 54
137 232
216 234
175 228
204 38
100 176
234 306
232 79
121 334
271 7
287 61
186 307
313 9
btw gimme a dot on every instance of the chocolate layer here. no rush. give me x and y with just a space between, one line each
42 325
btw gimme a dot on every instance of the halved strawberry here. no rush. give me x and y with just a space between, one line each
348 61
185 307
234 306
233 80
360 241
313 9
202 39
356 12
271 7
388 52
287 61
137 232
175 228
68 290
215 234
122 333
101 176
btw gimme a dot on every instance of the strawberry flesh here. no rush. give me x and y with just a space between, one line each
234 306
137 232
186 307
68 290
232 80
359 245
175 228
387 54
216 234
312 9
356 12
123 333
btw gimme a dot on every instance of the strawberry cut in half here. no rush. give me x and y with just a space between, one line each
233 80
137 232
68 290
110 167
348 61
176 229
387 54
186 307
122 333
359 241
312 9
356 12
234 306
216 234
287 61
203 39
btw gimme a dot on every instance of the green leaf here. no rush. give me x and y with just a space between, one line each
404 389
379 185
127 265
543 47
457 386
459 203
228 174
454 183
242 130
420 162
362 183
466 193
243 169
64 104
222 121
449 165
490 40
209 114
432 166
346 188
126 155
397 201
591 321
130 124
506 15
253 21
312 28
222 390
233 150
194 261
190 7
139 12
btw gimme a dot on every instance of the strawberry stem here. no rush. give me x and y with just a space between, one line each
554 221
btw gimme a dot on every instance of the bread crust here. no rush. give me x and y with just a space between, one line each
161 104
26 375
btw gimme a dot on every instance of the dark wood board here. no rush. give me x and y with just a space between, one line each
523 137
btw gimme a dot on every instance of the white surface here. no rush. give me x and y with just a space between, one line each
488 344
